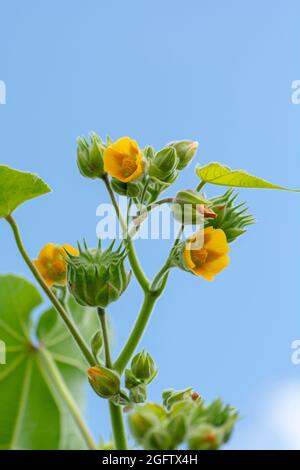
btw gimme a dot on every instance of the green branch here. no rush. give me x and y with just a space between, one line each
116 413
51 296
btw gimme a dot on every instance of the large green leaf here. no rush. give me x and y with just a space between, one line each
17 187
32 413
215 173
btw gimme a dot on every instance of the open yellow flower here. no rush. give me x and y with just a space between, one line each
123 160
205 253
51 263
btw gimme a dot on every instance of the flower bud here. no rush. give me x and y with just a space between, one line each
177 427
95 277
138 394
143 418
186 150
163 167
190 208
204 437
232 219
158 439
104 381
171 397
143 367
90 157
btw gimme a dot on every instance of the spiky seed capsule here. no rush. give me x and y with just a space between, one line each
96 277
232 219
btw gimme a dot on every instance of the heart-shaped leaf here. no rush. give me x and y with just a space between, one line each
33 415
17 187
215 173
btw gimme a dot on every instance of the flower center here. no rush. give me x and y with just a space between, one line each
199 256
128 166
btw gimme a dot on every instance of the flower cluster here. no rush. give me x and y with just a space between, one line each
183 418
97 277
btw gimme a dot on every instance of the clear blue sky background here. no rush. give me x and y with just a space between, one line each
218 72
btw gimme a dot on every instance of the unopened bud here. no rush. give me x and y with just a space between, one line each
163 167
143 367
186 150
90 157
104 381
204 437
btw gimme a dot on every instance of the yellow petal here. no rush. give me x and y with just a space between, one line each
216 241
216 265
47 253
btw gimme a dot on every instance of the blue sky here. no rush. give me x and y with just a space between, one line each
218 72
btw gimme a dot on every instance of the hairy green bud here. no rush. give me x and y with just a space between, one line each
105 382
186 150
90 157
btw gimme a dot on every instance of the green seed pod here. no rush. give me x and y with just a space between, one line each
232 219
104 381
90 157
95 277
143 367
163 167
186 150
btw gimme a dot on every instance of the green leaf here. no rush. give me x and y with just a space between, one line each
215 173
32 413
17 187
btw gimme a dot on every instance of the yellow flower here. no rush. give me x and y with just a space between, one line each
123 160
205 253
51 263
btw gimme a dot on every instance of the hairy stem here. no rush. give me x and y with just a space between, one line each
116 413
134 262
65 394
103 323
51 296
136 333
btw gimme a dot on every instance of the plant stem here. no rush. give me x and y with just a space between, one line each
200 185
116 413
51 296
136 333
159 276
102 318
136 268
64 392
117 422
